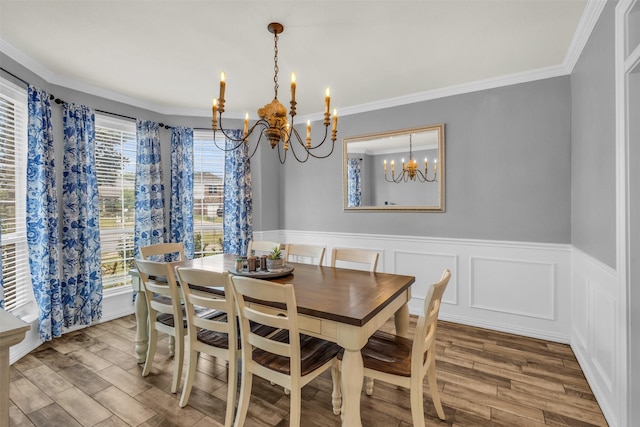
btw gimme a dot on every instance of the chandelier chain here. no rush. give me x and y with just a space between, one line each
275 66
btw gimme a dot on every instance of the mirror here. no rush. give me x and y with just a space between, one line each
378 175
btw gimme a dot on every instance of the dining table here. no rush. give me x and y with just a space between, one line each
341 305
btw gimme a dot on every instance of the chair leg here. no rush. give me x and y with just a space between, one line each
433 387
172 345
192 361
151 351
417 403
336 395
296 407
178 360
245 395
368 385
232 383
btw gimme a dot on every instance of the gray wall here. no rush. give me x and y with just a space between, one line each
593 179
508 165
507 162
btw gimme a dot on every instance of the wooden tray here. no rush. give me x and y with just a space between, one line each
288 269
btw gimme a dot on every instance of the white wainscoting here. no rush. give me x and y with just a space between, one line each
595 337
521 288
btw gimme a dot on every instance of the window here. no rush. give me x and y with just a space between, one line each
18 293
115 169
208 197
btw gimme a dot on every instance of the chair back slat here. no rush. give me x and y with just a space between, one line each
263 247
307 254
356 258
163 252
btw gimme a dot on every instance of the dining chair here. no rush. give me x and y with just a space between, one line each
159 251
359 258
297 252
287 358
164 305
164 252
216 336
405 362
262 247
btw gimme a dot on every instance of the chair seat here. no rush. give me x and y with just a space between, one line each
388 353
314 352
205 313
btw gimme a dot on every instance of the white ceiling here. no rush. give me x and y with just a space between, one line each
167 55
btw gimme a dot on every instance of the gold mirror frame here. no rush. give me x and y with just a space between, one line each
395 145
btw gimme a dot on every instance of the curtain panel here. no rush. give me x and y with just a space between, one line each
238 216
81 258
149 226
181 203
42 216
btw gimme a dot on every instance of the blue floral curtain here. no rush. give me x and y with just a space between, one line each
42 216
238 217
181 204
355 182
81 267
149 227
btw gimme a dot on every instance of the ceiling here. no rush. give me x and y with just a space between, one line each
167 55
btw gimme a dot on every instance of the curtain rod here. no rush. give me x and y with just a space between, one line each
14 76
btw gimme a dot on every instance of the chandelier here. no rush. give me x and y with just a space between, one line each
273 123
410 171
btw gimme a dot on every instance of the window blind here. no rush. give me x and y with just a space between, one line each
18 293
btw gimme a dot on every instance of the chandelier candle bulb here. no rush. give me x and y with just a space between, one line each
392 165
327 98
426 164
335 120
223 85
246 124
293 87
435 166
385 166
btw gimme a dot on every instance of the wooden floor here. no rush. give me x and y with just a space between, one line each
90 378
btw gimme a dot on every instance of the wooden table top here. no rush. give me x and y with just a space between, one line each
347 296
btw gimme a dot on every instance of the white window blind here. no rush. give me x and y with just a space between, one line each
208 197
18 293
115 170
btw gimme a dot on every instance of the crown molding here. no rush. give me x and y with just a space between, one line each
588 21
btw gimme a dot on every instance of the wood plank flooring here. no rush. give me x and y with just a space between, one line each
486 378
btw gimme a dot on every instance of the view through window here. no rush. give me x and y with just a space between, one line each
208 194
116 172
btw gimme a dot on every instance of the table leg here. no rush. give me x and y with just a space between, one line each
142 327
352 373
402 321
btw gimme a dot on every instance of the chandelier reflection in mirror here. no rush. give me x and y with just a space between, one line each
410 171
273 123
